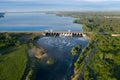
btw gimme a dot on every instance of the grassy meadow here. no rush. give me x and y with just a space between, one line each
13 63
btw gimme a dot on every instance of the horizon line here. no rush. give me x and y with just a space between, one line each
58 11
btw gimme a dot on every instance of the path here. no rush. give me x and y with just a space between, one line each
86 64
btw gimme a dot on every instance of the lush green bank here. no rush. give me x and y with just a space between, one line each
15 63
100 60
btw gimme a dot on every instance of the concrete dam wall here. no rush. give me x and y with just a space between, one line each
64 34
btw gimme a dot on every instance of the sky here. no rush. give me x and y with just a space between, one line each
59 5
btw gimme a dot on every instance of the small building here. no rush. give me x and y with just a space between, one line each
115 35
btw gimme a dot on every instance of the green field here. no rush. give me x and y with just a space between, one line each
13 63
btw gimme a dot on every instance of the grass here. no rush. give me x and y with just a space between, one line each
13 64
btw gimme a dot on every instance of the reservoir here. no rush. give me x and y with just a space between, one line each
37 22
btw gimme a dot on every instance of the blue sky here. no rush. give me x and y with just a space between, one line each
60 5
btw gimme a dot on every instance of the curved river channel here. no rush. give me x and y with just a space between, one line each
59 48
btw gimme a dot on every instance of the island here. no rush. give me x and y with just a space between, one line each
2 14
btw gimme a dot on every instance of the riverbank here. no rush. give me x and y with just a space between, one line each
100 59
13 58
35 54
16 47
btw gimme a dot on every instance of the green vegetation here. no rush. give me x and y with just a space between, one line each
32 72
13 63
100 60
75 50
106 58
13 58
50 61
100 24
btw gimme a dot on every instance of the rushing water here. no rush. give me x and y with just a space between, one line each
37 22
59 48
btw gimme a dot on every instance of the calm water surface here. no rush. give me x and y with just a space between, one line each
37 22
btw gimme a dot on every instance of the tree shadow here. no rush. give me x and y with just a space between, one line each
7 50
116 71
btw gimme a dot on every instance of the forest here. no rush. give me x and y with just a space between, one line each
100 60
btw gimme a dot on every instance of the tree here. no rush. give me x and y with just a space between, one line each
75 50
31 45
17 43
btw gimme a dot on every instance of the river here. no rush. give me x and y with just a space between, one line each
59 48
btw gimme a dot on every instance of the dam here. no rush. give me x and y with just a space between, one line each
64 34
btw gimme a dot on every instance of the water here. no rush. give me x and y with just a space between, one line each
59 48
37 22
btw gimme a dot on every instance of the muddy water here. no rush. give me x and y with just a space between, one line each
59 48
